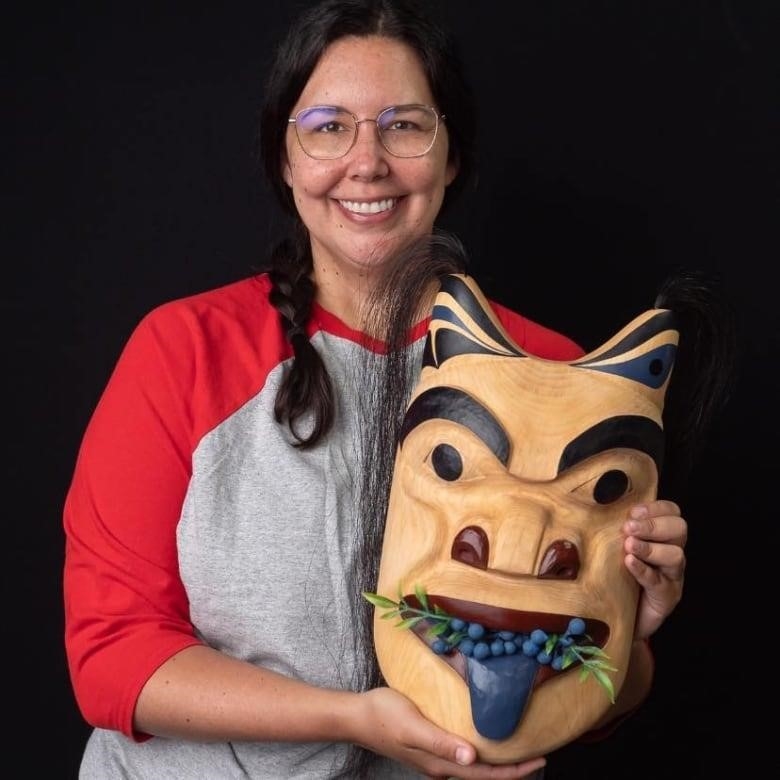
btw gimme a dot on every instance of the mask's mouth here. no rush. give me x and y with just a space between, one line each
520 650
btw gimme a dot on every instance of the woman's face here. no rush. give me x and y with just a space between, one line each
364 206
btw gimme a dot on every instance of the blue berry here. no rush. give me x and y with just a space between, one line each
481 651
497 647
576 627
440 646
530 648
510 648
466 646
538 636
506 635
543 658
557 663
476 631
456 624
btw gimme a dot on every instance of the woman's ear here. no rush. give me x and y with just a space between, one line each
453 166
287 171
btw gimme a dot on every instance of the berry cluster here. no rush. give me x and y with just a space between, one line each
473 639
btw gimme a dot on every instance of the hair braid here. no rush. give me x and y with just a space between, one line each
306 387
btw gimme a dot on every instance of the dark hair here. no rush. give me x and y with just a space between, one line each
406 287
306 386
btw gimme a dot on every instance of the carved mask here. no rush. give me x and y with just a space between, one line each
512 479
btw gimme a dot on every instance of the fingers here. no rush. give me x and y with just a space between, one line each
479 771
656 535
394 727
429 738
658 581
458 759
669 558
657 521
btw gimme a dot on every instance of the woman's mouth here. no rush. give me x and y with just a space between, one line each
368 206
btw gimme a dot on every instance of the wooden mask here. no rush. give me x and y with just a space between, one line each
512 479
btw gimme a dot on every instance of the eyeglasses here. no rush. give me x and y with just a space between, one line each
329 132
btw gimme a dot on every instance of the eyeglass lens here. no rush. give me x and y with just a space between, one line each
328 132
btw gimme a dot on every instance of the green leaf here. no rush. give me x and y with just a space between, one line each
392 614
409 622
584 673
421 597
379 601
438 628
602 665
606 682
592 650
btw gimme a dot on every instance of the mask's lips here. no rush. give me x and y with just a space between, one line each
500 687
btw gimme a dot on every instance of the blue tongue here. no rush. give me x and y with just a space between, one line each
500 688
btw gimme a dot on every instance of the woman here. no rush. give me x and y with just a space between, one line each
210 535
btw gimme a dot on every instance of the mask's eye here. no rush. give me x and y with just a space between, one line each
611 486
611 477
447 462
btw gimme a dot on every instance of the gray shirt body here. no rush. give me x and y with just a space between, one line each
265 541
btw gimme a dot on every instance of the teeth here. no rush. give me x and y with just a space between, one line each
372 207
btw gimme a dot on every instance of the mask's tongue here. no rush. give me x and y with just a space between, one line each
500 688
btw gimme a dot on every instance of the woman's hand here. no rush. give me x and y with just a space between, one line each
390 724
655 540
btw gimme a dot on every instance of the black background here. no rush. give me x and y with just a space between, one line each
619 140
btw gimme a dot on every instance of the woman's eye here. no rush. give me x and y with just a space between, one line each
330 127
401 124
447 462
611 486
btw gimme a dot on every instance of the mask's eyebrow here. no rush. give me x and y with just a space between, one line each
627 431
448 403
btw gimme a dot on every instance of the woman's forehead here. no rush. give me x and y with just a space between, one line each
367 74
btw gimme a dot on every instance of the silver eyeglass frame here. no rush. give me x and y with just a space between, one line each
439 119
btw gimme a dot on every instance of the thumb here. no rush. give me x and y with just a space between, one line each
465 754
452 748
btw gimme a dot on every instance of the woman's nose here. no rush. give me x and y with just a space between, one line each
368 157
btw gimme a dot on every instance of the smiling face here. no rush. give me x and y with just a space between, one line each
512 480
363 207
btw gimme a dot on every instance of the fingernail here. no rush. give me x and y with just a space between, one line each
632 526
462 756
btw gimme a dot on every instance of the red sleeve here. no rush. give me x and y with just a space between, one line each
125 606
537 339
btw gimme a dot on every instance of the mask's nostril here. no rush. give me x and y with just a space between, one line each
561 561
471 547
